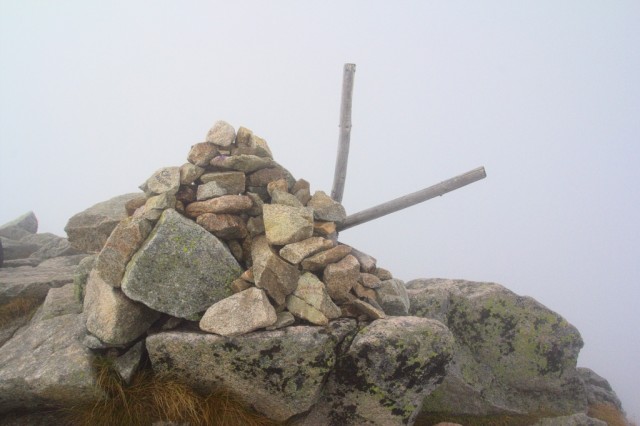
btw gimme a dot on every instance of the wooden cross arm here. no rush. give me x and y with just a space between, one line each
412 199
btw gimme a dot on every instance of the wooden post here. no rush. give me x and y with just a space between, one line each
412 199
340 174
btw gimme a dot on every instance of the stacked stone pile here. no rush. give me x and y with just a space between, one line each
232 240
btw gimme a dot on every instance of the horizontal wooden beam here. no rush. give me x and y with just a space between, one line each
412 199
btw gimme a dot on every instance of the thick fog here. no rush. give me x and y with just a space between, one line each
95 96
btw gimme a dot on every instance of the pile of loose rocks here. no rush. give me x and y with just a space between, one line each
232 240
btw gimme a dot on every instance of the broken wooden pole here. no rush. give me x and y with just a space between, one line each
412 199
340 174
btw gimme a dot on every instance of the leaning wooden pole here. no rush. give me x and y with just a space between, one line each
340 174
413 198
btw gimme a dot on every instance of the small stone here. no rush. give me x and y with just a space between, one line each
369 280
297 252
325 208
232 204
319 261
313 291
303 195
155 205
132 205
300 184
127 364
238 314
370 311
227 226
272 273
392 296
243 137
255 226
221 134
341 277
364 292
286 224
189 173
324 229
260 147
186 194
221 183
367 263
240 285
202 153
166 179
284 198
285 319
277 185
264 176
247 275
256 210
305 311
243 162
383 274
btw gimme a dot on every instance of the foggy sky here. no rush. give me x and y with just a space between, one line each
95 96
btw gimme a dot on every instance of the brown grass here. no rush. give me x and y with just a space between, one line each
430 419
608 413
151 398
17 307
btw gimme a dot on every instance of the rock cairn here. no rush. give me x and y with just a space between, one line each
232 240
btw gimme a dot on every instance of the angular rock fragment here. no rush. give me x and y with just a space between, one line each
243 162
225 226
220 183
305 311
221 134
262 177
166 179
201 154
341 277
20 227
241 313
325 208
232 204
313 291
324 229
284 319
298 251
127 364
271 273
59 301
189 173
367 263
367 309
392 296
181 269
155 205
111 316
320 260
369 280
286 224
124 241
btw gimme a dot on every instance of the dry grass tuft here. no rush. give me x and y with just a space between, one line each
151 398
608 413
17 307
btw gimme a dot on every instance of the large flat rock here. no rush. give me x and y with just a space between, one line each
280 373
46 365
181 269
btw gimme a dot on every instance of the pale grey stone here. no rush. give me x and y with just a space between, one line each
17 249
81 275
129 362
384 375
88 230
20 227
298 251
367 263
181 269
45 366
111 316
221 134
286 199
220 183
367 309
189 173
51 246
280 373
320 260
284 319
166 179
201 153
598 389
243 163
305 311
513 354
59 301
325 208
241 313
392 296
155 205
313 291
286 224
272 273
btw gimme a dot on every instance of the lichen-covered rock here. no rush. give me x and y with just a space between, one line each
280 373
392 297
241 313
181 269
325 208
45 366
89 230
383 377
111 316
513 354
